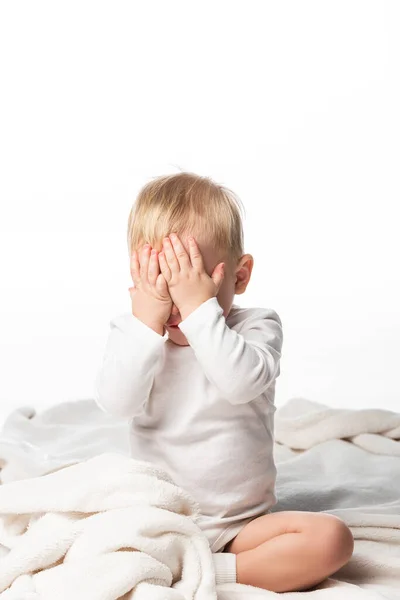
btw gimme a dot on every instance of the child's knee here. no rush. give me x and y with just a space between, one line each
337 541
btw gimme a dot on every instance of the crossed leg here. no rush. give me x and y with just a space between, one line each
291 550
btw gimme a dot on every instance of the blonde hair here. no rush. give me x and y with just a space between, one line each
188 203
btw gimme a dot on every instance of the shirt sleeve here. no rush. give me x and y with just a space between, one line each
242 365
133 353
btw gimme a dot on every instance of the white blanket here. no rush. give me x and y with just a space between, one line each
108 527
345 462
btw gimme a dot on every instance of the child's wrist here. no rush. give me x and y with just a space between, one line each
155 325
187 310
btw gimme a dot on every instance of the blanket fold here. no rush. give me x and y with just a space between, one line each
100 529
301 424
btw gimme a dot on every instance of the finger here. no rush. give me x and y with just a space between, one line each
162 286
144 261
218 275
171 259
195 255
153 271
180 252
165 270
134 267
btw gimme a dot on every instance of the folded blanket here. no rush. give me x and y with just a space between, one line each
109 527
301 424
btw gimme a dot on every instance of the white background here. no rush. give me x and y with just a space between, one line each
293 105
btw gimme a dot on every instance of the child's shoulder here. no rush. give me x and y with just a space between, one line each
239 315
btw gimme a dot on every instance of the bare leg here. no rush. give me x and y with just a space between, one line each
291 550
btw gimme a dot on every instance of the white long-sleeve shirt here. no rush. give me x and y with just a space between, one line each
204 412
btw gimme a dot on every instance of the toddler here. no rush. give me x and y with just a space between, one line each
195 375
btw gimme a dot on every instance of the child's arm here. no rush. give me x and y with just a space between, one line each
131 358
135 343
241 365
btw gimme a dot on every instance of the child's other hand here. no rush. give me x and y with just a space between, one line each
151 301
188 282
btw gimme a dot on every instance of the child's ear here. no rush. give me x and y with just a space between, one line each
243 273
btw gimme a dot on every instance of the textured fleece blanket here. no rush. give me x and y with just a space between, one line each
108 527
345 462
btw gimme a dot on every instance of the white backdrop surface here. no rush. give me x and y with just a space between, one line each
293 105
